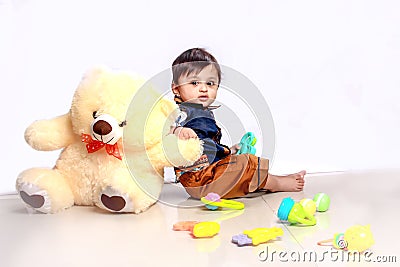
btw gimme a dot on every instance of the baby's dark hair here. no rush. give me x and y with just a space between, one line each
193 60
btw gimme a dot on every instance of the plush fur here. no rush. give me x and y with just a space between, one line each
130 184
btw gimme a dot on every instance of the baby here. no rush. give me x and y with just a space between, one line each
196 78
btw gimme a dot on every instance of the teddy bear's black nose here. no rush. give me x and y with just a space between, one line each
102 127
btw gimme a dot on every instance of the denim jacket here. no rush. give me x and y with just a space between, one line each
202 121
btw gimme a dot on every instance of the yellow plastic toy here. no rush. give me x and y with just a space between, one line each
213 201
257 236
359 237
205 229
356 238
309 205
198 229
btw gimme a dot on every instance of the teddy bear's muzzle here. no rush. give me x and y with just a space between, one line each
102 128
105 128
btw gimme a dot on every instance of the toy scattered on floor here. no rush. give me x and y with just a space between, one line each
247 144
309 205
198 229
205 229
184 226
257 236
322 201
356 238
213 201
294 213
319 203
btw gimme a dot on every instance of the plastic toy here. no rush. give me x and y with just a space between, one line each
309 205
359 237
247 144
322 201
294 213
184 226
198 229
213 201
257 236
205 229
356 238
242 240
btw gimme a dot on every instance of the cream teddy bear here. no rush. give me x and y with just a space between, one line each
96 165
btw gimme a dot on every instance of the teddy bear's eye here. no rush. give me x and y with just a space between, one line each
122 124
94 114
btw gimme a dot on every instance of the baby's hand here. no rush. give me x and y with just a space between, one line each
235 148
184 133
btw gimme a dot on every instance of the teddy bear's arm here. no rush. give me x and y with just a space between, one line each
178 152
52 134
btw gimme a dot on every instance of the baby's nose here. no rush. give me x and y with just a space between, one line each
203 87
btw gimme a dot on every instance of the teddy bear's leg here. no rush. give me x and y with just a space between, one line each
121 193
44 190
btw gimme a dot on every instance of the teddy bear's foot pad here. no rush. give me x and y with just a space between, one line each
114 201
35 197
35 201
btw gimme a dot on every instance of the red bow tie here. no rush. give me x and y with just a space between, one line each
94 145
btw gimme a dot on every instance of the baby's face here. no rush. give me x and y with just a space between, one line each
198 88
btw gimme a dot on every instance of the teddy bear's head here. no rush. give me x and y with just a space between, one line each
100 103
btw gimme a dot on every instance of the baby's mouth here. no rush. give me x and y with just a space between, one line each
203 98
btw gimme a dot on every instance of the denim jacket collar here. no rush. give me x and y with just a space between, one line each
199 106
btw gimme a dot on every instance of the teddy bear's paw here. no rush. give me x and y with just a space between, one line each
112 200
35 197
179 152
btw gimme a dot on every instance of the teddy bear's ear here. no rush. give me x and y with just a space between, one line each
96 70
168 107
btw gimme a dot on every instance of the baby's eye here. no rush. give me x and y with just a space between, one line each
211 83
195 83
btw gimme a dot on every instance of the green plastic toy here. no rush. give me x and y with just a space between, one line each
322 201
294 213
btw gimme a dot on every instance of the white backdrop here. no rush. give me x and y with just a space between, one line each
329 70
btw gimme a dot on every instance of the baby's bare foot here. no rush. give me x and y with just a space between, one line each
288 183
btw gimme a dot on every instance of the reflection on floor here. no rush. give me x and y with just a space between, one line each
87 236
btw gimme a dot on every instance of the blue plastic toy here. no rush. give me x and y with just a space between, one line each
247 144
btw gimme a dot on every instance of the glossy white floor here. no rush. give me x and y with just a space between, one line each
87 236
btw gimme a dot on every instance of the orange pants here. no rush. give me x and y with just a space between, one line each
230 177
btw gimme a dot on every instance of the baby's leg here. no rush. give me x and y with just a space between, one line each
288 183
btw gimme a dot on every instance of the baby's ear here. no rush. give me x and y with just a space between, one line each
174 88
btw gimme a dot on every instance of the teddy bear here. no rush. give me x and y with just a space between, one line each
115 144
